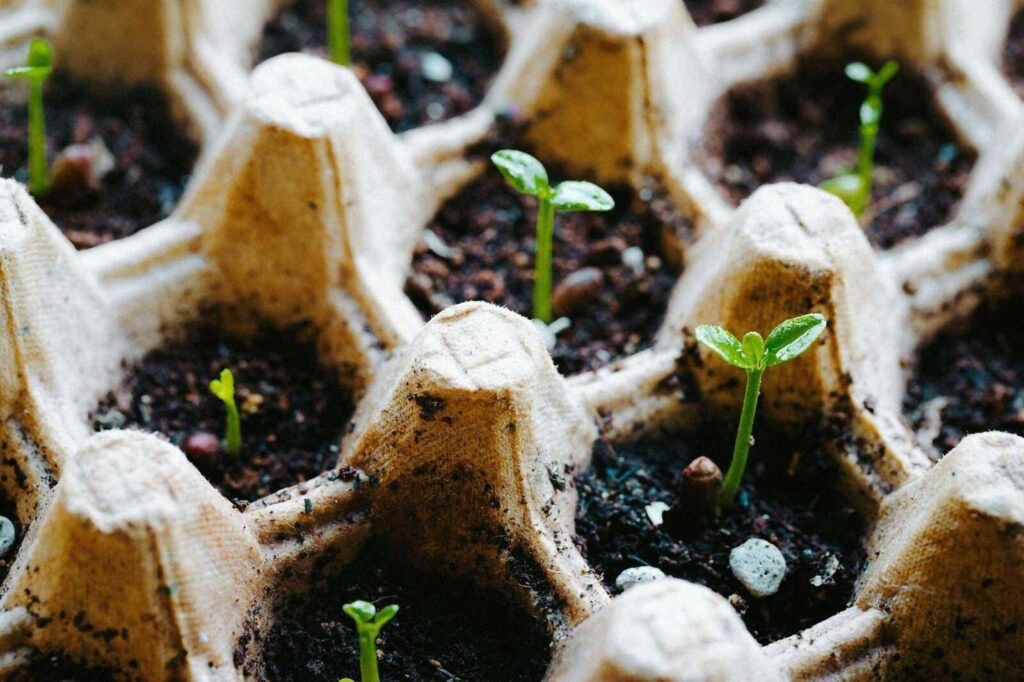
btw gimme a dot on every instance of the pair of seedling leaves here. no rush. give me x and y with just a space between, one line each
369 622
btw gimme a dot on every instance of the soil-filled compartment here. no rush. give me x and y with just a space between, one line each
707 12
969 379
803 126
422 61
791 496
294 410
444 630
613 274
119 160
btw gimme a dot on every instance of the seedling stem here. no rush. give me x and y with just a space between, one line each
754 355
338 32
854 188
224 388
38 67
528 176
368 624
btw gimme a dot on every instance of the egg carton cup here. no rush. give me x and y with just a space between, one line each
307 208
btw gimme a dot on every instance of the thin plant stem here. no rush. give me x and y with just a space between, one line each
731 484
542 280
38 169
368 654
338 32
233 434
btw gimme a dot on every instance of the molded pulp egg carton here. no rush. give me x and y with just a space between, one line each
306 207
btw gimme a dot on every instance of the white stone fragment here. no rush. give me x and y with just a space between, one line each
759 566
635 575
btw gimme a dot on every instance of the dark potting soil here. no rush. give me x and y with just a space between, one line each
1013 53
803 127
970 379
788 498
488 230
153 156
9 509
60 668
293 409
706 12
443 630
395 47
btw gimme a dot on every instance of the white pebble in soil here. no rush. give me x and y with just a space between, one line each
7 535
636 575
759 566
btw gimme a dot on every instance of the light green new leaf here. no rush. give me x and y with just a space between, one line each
857 71
224 388
753 349
522 171
581 196
385 615
793 337
727 346
360 611
885 74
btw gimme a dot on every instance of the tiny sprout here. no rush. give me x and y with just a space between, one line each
528 176
38 67
854 187
338 32
368 626
755 355
224 388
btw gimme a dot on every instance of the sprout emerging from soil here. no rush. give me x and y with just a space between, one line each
224 388
754 355
38 67
854 187
528 176
338 32
369 622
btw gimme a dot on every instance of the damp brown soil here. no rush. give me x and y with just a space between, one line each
1013 53
293 409
152 156
60 668
969 379
803 127
422 61
707 12
443 630
480 246
788 498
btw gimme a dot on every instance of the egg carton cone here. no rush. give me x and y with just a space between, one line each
306 208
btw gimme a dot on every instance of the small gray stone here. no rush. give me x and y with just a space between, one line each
7 535
759 566
636 575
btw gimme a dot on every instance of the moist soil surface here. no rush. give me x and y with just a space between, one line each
970 379
803 127
786 498
422 61
1013 53
152 156
486 235
293 409
706 12
58 668
443 630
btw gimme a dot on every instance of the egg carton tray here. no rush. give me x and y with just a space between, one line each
305 207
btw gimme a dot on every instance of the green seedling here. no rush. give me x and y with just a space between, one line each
338 32
369 622
854 187
224 388
528 176
38 67
754 355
